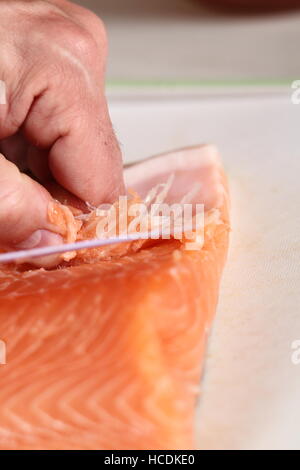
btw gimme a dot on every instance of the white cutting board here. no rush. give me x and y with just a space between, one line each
251 389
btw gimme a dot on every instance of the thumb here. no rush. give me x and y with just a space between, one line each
23 211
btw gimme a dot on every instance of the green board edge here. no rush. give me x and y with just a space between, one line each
116 83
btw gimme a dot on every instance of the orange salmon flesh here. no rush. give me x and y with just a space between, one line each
106 352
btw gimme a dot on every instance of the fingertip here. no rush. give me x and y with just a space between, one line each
39 239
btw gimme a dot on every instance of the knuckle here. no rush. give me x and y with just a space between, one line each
98 29
79 42
67 32
99 25
94 21
83 43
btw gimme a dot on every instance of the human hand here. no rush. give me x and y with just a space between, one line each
55 121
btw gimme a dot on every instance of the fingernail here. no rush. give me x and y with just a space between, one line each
40 238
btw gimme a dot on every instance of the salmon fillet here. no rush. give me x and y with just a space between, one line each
107 353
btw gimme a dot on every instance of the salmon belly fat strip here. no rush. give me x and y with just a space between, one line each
106 351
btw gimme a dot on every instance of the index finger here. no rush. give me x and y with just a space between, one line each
84 155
